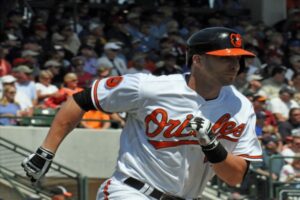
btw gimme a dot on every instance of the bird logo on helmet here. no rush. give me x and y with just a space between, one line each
217 41
236 40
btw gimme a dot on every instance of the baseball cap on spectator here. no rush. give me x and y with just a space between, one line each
278 69
287 89
256 77
104 63
111 46
23 69
269 138
94 25
52 63
259 98
8 79
20 61
29 53
60 190
295 132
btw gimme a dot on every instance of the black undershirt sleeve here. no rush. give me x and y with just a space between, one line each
84 99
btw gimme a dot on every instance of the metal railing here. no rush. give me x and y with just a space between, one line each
276 184
11 156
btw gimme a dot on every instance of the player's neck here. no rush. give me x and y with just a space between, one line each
204 88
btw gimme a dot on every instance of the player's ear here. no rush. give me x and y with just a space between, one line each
196 59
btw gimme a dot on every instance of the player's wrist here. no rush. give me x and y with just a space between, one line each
215 152
45 153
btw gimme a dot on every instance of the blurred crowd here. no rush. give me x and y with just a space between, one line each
54 55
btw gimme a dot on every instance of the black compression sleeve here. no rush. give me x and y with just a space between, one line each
84 99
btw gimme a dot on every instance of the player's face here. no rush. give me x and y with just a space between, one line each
223 69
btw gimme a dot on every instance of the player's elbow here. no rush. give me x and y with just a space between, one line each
234 180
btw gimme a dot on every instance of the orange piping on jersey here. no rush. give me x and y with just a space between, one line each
227 138
253 157
95 95
105 191
166 144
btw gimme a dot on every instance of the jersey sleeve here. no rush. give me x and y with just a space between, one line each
248 145
117 93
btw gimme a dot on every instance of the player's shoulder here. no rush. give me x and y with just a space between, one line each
231 92
148 78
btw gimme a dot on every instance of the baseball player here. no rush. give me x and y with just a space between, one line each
181 129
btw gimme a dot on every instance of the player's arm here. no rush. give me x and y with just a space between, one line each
64 122
231 170
37 164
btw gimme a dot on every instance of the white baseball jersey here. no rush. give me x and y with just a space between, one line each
155 147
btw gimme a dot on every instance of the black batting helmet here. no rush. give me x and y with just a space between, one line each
218 41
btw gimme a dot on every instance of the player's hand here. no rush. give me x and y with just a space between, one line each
37 164
203 128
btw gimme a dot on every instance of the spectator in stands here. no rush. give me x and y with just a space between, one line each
260 119
40 33
60 193
138 64
168 65
62 55
296 86
90 57
71 84
103 71
291 125
101 120
280 106
54 67
294 147
8 106
270 130
21 98
31 56
293 47
5 66
158 26
44 87
24 83
290 173
271 86
259 105
84 78
270 143
117 31
69 38
96 30
110 58
294 61
253 84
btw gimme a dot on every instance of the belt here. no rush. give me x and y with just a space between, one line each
147 189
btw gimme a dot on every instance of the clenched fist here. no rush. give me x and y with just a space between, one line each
37 164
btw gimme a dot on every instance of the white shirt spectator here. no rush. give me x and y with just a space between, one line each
50 89
276 105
